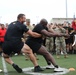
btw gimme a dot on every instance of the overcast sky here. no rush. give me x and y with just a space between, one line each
36 9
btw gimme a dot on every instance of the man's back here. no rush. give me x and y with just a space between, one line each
15 30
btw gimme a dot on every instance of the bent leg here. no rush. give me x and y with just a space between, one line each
48 57
27 50
9 61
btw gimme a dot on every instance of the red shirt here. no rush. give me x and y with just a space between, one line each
2 34
74 25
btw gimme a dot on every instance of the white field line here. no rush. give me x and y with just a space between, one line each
4 67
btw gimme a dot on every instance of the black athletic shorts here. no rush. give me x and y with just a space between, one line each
12 46
69 41
35 46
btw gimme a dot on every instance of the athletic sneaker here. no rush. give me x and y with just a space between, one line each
17 68
0 70
58 69
38 69
16 54
50 67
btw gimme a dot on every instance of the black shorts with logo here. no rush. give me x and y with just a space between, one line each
12 46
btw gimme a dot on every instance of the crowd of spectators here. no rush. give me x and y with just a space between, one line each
61 45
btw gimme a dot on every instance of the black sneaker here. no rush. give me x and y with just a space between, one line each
16 67
38 69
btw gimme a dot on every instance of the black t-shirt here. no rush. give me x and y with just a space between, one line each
68 28
15 31
38 28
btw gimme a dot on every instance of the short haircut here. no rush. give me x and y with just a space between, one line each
20 16
43 22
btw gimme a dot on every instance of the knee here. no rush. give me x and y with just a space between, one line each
5 56
27 48
30 51
27 51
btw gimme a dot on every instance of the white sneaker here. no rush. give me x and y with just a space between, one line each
50 67
23 53
62 53
59 69
16 54
0 70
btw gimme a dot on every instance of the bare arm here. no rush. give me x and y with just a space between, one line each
46 33
51 30
33 34
49 34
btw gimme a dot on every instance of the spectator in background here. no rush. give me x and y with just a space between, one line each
60 41
69 41
29 26
65 26
71 32
2 34
74 34
50 40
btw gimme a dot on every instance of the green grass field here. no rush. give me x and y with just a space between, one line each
20 60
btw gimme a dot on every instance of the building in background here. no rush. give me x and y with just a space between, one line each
61 20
